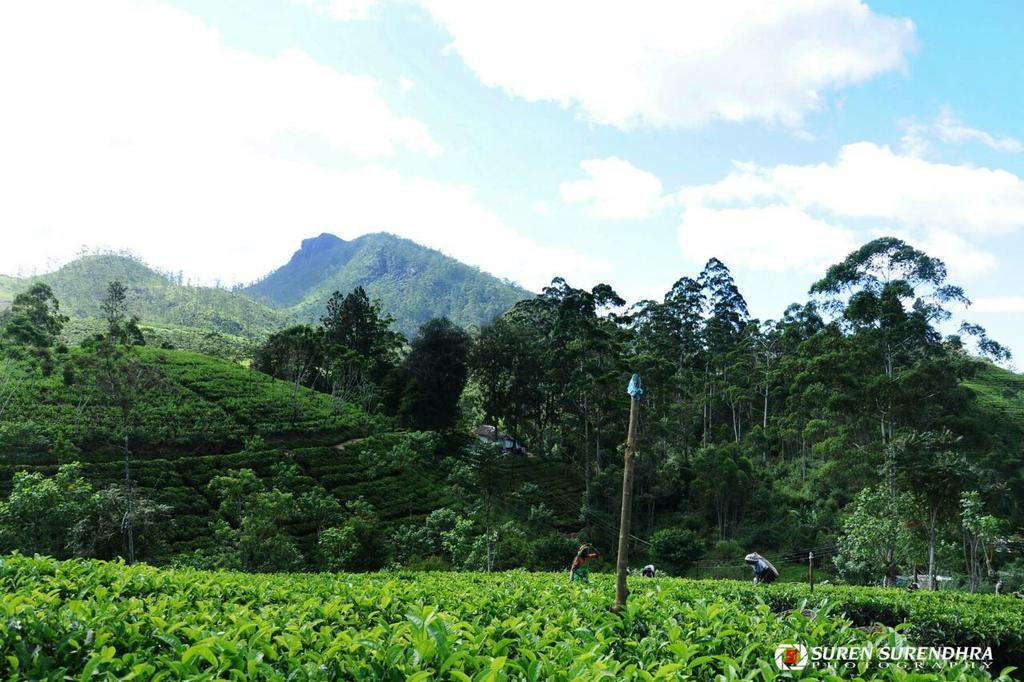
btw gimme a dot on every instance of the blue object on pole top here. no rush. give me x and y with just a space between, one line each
634 389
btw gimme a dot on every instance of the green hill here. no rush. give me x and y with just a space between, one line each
1000 391
158 299
414 283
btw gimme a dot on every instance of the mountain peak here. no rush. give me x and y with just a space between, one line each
413 282
321 242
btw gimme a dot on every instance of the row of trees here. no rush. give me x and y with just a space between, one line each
763 431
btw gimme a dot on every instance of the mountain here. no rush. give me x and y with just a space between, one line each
413 283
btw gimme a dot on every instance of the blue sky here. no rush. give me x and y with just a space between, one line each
531 139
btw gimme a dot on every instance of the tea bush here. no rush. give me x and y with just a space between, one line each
97 620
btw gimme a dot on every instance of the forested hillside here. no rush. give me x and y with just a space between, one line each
412 282
172 314
849 425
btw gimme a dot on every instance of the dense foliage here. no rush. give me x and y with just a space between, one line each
420 504
765 432
82 619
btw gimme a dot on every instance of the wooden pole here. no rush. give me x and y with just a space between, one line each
810 570
621 591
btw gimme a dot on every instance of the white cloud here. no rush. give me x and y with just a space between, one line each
774 238
999 304
946 127
669 63
342 10
130 125
120 72
869 190
616 190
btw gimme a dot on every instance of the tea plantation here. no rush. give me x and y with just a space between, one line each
188 403
95 620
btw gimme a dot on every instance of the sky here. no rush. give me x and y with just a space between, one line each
597 141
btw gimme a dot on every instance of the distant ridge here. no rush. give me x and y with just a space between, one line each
414 283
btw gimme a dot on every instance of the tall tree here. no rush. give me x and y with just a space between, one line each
506 364
929 467
118 377
29 331
360 347
436 371
724 342
890 296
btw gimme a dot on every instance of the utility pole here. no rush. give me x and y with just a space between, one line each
127 529
621 591
810 570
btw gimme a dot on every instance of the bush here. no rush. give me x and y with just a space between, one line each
429 563
338 548
552 552
354 546
31 442
674 550
726 550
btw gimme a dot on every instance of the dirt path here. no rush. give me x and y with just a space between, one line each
342 446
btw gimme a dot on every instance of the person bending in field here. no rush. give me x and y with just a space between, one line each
764 572
579 571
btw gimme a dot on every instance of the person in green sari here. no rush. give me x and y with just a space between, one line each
579 571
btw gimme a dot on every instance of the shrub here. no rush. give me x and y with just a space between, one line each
338 548
31 442
726 550
675 549
552 552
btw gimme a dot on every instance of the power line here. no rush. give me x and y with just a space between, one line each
613 529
